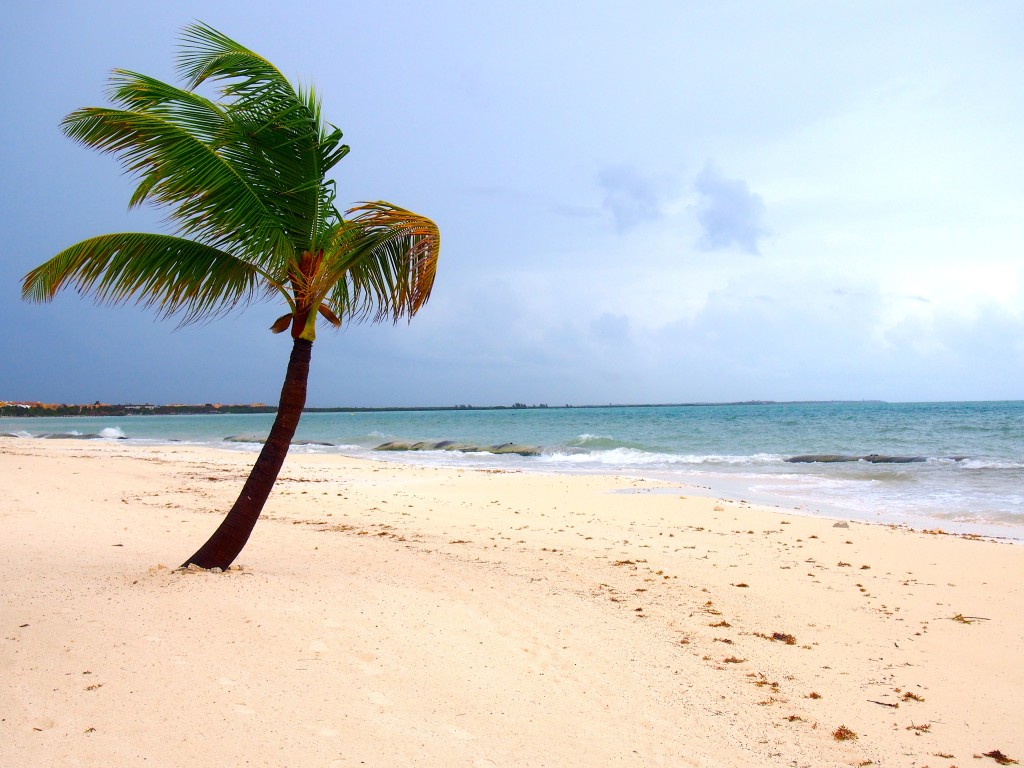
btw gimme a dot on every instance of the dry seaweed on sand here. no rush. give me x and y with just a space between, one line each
961 619
842 733
1000 758
884 704
781 637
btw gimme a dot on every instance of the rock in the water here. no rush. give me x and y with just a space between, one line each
821 458
463 448
875 458
521 450
450 445
834 458
394 445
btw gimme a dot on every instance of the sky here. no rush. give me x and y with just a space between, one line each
644 202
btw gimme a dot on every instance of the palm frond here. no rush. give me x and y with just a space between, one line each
203 118
211 199
173 275
293 191
207 54
380 264
286 147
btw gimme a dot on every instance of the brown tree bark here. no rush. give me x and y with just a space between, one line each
228 540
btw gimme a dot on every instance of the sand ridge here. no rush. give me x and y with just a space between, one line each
387 614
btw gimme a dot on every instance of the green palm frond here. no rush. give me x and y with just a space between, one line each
176 276
211 199
266 133
207 54
204 119
381 263
287 147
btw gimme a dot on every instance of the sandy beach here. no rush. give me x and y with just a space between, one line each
390 615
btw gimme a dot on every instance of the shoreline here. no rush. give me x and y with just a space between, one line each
394 613
990 532
762 488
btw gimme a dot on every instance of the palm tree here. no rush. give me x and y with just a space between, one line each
244 182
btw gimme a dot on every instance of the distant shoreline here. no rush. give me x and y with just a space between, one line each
51 410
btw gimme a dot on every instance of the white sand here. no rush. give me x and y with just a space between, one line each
389 615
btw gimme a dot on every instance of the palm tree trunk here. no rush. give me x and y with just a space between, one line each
227 541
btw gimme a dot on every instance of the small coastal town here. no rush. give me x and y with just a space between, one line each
14 408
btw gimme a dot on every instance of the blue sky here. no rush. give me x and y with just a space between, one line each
642 202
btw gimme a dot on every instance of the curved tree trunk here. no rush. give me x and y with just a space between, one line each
227 541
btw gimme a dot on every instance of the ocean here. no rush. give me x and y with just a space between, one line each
955 466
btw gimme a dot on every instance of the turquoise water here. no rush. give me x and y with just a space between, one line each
967 473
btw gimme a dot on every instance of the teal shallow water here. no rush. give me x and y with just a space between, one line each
736 450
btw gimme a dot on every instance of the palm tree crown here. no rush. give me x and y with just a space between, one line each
244 182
